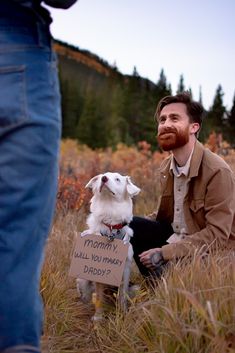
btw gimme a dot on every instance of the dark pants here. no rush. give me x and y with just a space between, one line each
148 235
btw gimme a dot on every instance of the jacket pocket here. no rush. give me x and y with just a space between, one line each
13 103
197 208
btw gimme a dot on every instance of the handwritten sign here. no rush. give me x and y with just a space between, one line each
97 259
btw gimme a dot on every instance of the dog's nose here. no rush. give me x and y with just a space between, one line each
104 179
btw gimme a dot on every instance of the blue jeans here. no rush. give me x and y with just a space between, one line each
30 130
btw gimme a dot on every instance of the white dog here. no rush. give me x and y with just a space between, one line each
111 213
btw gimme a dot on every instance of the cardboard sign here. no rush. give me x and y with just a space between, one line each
98 259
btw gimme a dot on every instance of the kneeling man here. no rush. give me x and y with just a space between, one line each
197 202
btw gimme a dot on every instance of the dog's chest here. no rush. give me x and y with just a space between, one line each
114 212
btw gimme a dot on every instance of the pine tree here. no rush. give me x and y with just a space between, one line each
232 115
200 95
71 107
132 103
117 127
135 72
162 82
215 117
162 88
217 111
181 86
91 129
148 107
231 122
190 92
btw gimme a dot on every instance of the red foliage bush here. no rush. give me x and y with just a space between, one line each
79 164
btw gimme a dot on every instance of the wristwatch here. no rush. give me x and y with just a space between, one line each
157 259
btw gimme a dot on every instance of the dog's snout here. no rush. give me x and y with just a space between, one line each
104 179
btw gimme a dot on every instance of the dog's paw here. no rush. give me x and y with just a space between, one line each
98 317
126 240
85 232
133 290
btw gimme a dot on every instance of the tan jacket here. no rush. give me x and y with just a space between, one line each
209 206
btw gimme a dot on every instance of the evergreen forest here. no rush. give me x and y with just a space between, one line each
102 107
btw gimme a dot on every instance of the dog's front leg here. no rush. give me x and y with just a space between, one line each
126 239
128 235
99 302
124 289
84 289
86 232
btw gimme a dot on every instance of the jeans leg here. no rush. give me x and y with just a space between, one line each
148 234
29 146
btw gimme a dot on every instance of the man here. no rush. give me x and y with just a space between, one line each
29 144
197 204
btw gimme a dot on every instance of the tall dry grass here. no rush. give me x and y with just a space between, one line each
191 309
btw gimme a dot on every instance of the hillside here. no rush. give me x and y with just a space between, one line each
101 106
83 57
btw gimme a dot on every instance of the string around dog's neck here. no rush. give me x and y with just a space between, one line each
115 231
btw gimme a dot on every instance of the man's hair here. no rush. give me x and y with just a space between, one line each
194 109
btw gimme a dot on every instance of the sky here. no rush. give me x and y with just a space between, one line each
195 38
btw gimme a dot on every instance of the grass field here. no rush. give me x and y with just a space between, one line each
191 309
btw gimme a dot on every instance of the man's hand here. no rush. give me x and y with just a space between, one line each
152 258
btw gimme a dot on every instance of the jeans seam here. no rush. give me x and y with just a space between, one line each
21 349
24 47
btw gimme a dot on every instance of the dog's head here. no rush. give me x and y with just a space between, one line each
113 185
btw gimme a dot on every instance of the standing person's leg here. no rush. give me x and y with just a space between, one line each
29 146
148 234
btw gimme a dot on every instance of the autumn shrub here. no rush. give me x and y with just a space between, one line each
79 164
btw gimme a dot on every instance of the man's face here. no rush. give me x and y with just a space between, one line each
174 127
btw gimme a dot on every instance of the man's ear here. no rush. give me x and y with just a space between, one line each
195 127
131 188
93 182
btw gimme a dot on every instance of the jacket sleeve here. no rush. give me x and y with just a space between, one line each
62 4
219 210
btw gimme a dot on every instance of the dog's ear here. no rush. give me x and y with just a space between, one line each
131 188
92 183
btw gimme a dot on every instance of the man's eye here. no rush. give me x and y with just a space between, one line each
162 120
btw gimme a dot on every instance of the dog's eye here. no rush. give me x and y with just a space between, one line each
117 179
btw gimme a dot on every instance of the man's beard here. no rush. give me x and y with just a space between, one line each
170 138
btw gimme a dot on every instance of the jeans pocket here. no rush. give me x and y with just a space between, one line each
13 103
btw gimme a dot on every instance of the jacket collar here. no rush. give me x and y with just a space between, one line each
196 159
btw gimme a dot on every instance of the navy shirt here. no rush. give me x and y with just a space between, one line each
62 4
40 11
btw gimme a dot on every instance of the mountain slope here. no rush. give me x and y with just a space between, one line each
101 106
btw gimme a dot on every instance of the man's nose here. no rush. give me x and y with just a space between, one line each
167 122
104 179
